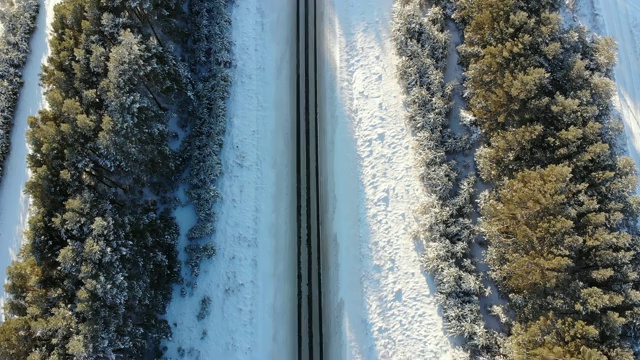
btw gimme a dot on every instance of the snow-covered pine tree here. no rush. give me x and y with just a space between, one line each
445 227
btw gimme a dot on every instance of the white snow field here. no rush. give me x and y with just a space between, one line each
621 20
378 302
252 279
15 203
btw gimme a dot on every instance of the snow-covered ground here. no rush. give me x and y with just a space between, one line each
252 279
620 19
15 204
378 303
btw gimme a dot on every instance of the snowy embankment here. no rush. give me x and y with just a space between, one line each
378 303
620 19
14 203
251 280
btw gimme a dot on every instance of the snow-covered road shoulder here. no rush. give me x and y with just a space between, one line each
378 299
251 282
620 19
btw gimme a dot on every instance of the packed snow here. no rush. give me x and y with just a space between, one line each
378 302
15 203
252 279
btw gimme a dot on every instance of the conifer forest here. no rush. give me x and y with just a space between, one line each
320 179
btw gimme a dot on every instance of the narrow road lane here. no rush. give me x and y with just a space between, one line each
310 343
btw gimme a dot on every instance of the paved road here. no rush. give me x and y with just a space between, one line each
310 341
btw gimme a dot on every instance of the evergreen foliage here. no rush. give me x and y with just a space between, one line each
99 260
17 22
208 58
562 222
446 228
204 311
210 61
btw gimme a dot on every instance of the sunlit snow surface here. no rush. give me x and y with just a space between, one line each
378 302
14 203
620 19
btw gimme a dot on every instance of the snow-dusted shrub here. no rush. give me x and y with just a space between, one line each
17 21
205 304
196 253
444 227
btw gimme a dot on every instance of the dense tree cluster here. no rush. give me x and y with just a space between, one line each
446 228
209 61
100 257
562 221
17 22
